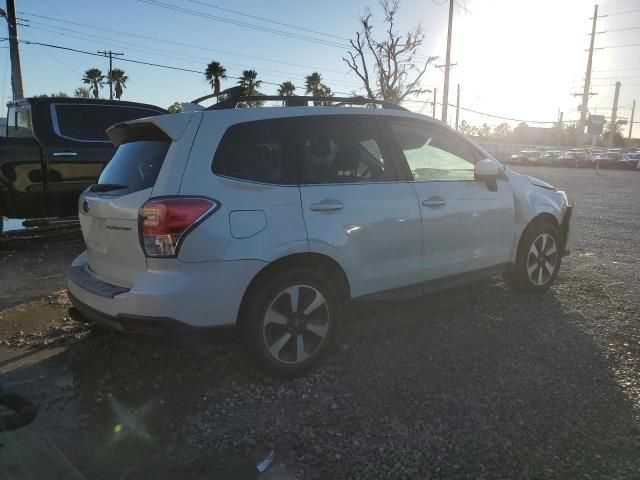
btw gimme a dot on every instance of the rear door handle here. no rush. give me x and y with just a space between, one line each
434 202
65 154
326 205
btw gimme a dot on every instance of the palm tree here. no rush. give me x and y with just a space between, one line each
315 87
249 82
312 83
213 74
82 92
94 77
118 79
286 89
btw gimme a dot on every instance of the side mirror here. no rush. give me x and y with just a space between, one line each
487 170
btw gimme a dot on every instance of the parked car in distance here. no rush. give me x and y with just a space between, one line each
274 220
614 159
53 149
526 157
569 158
550 157
629 160
634 158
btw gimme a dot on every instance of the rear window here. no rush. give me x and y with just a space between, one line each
88 122
257 151
135 166
19 122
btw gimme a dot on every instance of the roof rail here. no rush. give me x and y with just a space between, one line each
301 101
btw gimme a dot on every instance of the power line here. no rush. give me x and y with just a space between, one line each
181 44
484 113
252 26
620 46
141 62
619 13
169 54
238 23
615 77
618 70
619 29
244 14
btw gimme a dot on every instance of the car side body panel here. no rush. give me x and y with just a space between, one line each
284 232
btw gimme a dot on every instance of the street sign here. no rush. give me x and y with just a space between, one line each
595 124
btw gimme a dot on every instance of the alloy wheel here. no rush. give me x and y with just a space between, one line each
296 324
542 259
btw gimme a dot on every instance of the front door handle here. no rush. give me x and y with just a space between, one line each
434 202
65 154
326 205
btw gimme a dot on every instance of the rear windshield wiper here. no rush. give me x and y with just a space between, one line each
106 187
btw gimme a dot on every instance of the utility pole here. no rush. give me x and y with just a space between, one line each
633 111
560 116
447 66
110 54
587 81
614 115
457 107
14 53
433 114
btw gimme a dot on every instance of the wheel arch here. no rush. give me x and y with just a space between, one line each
543 217
313 260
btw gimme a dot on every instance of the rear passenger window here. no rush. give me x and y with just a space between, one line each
88 123
342 151
258 151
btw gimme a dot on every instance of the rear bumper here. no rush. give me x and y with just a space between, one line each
181 295
127 323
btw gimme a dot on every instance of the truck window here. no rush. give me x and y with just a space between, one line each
19 122
88 123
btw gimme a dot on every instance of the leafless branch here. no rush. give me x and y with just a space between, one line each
392 59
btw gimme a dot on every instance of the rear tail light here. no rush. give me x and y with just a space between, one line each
164 222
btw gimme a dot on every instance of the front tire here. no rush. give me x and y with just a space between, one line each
291 322
538 259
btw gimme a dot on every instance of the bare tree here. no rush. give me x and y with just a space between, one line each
397 68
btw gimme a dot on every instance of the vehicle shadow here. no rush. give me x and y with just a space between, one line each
468 383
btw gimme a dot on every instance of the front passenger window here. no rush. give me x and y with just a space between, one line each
434 154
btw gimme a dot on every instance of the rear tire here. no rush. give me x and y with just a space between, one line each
291 322
538 259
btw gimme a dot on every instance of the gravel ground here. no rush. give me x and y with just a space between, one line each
476 382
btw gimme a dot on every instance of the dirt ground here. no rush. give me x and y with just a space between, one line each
476 382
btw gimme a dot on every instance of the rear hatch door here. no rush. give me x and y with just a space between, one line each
109 211
149 162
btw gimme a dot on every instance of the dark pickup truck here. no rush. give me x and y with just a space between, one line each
54 148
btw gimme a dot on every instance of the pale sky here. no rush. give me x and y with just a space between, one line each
515 58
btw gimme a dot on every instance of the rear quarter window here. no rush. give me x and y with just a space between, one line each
259 151
89 123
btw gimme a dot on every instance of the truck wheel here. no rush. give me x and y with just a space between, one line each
538 259
291 322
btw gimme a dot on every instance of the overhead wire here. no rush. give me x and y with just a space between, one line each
181 44
141 62
269 20
169 54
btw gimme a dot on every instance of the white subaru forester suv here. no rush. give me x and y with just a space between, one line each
272 220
